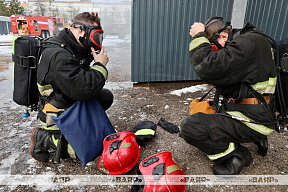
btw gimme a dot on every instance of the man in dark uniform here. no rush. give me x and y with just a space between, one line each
65 75
240 64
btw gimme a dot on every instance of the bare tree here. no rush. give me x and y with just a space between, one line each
54 10
40 9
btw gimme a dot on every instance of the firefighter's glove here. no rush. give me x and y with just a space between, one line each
170 127
144 131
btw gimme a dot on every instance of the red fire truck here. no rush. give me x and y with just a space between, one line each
43 26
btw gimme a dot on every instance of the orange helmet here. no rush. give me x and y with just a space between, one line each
120 154
159 171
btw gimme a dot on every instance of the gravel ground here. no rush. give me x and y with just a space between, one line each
132 105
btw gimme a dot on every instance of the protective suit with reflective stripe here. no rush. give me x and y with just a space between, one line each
247 60
64 76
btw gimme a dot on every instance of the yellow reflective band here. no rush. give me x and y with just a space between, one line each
238 114
145 132
14 43
51 128
13 62
256 127
71 151
198 41
260 85
44 87
272 81
172 168
45 90
101 70
219 155
259 128
266 86
55 141
125 145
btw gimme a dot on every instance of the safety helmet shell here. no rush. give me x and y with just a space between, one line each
120 154
162 167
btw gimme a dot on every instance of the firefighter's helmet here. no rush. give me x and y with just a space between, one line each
161 173
120 154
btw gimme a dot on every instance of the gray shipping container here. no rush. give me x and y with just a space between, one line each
269 16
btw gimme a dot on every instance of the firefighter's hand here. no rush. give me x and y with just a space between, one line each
197 28
101 57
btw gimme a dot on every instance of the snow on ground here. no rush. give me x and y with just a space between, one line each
6 38
6 50
118 85
7 163
191 89
5 42
112 40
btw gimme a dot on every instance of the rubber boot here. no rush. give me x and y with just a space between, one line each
262 147
41 142
233 165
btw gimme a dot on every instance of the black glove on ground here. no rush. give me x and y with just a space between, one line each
170 127
144 131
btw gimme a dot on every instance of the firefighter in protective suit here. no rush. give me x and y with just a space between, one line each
240 64
24 29
64 76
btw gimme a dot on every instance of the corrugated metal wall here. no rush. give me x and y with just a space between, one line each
160 36
270 16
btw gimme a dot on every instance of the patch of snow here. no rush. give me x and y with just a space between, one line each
191 89
12 132
142 116
6 164
118 85
6 38
112 40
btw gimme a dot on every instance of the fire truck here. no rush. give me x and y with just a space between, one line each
43 26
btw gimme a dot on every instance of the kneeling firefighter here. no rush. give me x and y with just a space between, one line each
240 64
64 76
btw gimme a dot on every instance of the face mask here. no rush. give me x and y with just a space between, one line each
93 36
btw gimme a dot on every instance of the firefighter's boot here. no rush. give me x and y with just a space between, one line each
233 165
262 147
41 142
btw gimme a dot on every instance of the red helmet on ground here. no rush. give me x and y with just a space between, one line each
120 154
160 173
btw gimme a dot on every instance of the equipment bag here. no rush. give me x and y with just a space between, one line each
283 59
281 94
85 125
197 106
24 57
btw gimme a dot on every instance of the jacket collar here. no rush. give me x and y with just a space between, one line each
70 41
